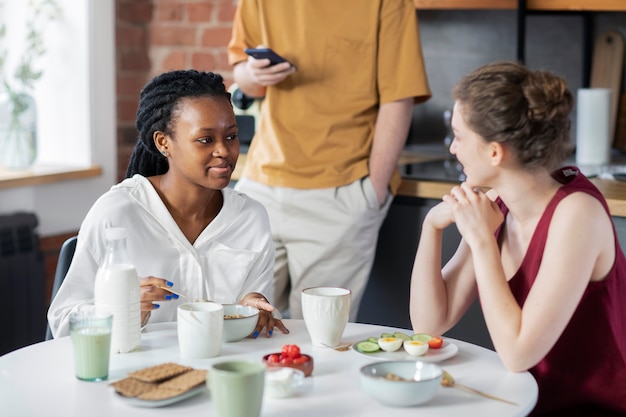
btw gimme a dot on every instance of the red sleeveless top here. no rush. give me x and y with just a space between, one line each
585 371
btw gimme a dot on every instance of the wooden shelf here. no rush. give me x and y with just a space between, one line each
465 4
534 5
577 5
40 175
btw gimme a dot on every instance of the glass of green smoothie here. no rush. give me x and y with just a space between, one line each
91 337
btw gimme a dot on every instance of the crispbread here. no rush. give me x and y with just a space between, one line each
159 373
160 382
131 387
160 393
185 381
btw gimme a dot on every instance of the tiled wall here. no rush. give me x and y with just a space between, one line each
455 42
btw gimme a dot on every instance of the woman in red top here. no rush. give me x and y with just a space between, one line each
539 247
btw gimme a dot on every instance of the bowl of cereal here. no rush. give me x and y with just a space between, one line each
401 383
239 321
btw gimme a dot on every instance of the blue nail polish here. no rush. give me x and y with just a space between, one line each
270 332
168 297
175 296
156 306
287 330
256 334
169 284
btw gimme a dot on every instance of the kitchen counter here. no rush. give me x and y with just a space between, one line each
425 175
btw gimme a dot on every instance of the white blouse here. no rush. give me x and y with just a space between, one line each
233 256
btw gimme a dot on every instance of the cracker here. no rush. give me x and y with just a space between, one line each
160 393
131 387
159 372
185 382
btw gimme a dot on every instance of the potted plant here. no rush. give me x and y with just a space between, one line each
18 115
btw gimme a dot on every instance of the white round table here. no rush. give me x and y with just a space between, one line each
38 380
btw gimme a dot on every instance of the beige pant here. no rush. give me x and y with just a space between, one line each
323 237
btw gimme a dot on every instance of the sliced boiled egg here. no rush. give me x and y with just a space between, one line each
390 344
415 347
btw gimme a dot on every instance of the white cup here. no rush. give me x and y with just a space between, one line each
326 311
200 328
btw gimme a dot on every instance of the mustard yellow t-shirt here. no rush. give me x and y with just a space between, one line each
317 125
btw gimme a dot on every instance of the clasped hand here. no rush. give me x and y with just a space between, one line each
474 213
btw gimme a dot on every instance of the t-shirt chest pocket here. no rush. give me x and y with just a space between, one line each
349 65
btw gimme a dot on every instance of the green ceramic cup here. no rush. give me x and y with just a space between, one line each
237 388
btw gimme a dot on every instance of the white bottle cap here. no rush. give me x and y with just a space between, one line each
115 233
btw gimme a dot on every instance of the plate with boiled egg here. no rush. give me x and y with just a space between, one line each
399 346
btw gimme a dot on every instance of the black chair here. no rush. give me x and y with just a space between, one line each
65 259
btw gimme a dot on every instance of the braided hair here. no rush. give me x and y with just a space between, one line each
156 112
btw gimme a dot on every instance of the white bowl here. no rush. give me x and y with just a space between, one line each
241 327
420 382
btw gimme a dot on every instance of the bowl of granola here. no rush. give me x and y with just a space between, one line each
239 321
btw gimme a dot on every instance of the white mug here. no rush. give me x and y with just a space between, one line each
326 311
200 328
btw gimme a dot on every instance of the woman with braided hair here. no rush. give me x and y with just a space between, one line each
539 247
185 227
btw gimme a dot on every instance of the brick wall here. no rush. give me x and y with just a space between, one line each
153 36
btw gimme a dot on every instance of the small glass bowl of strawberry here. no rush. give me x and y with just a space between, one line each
290 357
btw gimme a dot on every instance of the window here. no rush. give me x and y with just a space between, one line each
62 93
76 111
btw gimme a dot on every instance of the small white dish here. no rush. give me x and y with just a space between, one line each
282 382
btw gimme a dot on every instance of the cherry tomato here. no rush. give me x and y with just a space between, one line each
435 343
290 351
286 361
301 359
274 358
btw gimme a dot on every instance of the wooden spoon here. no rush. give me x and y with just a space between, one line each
341 348
448 381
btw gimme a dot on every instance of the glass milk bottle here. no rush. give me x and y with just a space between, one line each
117 291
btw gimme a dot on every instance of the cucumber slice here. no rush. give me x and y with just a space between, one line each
366 346
372 339
402 336
382 336
422 337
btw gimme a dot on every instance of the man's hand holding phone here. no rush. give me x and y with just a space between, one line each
265 53
266 67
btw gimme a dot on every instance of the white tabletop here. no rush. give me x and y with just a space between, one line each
38 380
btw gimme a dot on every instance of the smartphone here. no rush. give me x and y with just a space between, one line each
265 53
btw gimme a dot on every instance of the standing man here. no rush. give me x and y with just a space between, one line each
334 120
